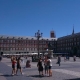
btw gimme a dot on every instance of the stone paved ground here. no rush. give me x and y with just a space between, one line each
67 70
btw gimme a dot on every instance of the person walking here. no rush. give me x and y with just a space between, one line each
74 58
40 67
19 65
59 60
64 58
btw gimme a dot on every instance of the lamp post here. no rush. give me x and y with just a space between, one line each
38 35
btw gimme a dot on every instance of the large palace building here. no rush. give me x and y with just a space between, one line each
69 44
17 44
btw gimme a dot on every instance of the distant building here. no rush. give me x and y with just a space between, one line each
17 44
69 43
20 44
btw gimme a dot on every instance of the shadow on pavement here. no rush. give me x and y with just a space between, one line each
36 76
73 79
6 75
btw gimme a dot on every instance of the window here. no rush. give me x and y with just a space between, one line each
7 48
1 48
10 48
35 49
1 45
30 49
4 45
24 48
7 45
77 38
35 45
16 44
77 43
70 48
74 39
27 48
16 48
27 45
11 41
2 41
27 41
13 48
4 49
8 41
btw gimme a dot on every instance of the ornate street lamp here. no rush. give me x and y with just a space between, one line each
38 35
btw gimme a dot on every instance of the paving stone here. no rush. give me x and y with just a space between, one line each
68 70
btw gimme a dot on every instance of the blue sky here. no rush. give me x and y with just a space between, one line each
25 17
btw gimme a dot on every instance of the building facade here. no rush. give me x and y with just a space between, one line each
69 44
14 44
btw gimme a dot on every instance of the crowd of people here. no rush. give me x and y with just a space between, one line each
44 65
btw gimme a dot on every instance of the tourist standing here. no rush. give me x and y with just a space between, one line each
13 65
40 67
49 64
19 65
46 66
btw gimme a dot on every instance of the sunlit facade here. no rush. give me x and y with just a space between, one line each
17 44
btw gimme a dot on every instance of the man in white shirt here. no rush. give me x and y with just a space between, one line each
50 66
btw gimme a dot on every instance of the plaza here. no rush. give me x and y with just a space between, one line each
69 70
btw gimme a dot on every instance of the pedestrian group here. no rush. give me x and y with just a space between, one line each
47 66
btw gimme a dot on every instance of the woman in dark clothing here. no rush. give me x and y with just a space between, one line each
19 65
40 66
